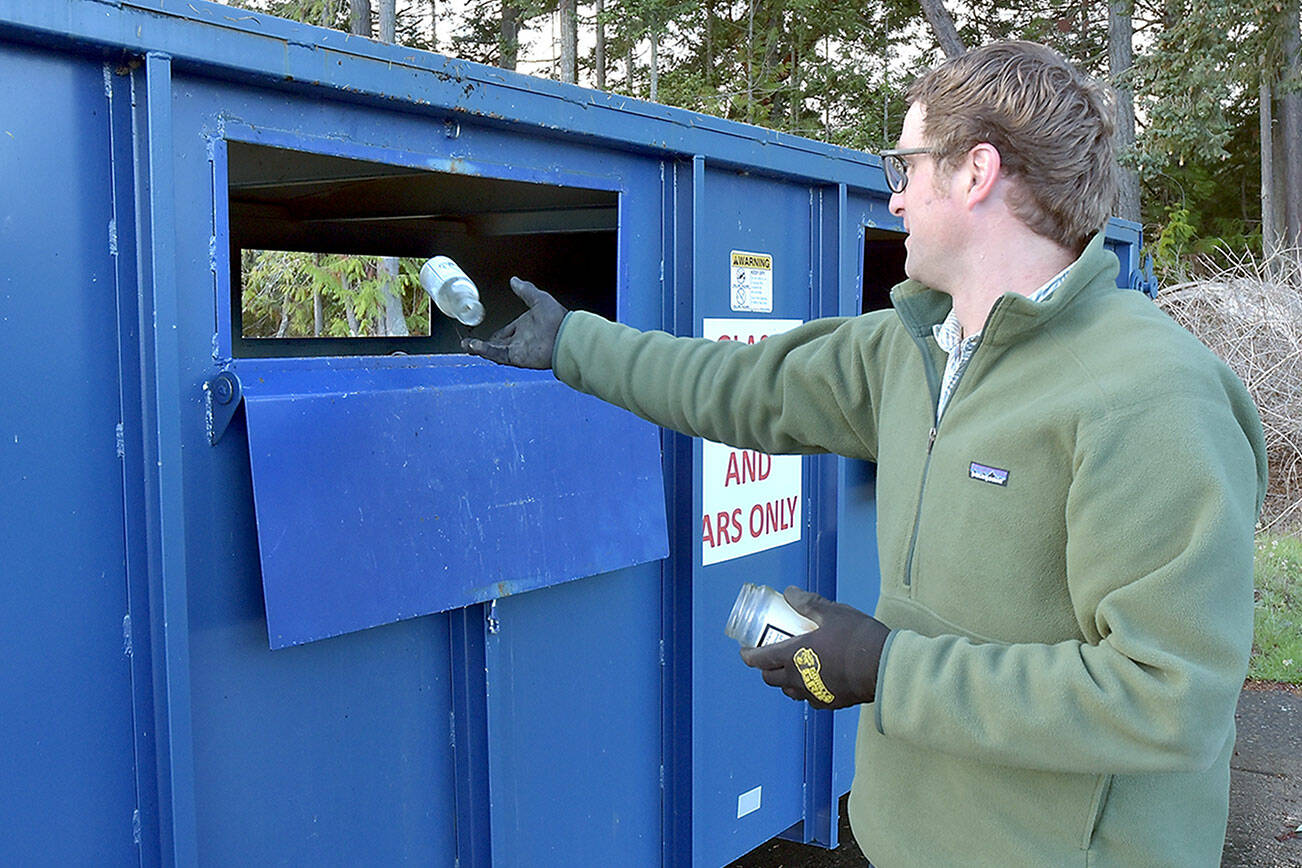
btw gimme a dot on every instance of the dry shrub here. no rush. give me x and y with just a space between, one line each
1249 313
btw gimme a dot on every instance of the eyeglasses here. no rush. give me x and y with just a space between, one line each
896 169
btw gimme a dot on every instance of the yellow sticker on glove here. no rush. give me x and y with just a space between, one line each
809 667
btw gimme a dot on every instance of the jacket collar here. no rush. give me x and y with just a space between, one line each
920 307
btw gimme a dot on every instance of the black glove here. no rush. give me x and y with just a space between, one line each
834 666
529 340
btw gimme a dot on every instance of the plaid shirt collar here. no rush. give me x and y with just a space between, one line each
949 334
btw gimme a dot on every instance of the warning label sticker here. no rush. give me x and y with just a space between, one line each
751 283
750 501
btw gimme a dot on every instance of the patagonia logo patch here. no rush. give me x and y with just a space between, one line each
993 475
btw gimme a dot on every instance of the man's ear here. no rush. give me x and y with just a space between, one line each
983 170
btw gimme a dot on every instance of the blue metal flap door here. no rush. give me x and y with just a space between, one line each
406 490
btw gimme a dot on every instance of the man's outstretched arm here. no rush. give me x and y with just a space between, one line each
810 389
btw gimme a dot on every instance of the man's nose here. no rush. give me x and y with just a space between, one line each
896 204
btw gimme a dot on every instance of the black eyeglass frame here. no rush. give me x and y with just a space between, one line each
896 169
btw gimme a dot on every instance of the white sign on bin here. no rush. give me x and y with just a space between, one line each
750 501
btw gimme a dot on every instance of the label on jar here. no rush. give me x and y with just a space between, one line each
772 635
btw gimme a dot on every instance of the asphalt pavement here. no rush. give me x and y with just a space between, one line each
1265 794
1266 780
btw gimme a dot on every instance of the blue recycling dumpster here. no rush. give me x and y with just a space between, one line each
364 601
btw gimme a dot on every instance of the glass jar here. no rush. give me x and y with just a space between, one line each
762 616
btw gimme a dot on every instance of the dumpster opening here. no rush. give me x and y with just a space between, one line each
883 267
309 229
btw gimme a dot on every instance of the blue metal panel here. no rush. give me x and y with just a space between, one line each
744 733
404 139
858 576
69 788
573 672
461 485
574 723
334 753
470 746
163 358
681 183
858 583
123 245
820 810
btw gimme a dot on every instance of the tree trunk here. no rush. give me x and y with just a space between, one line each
629 62
750 51
1290 123
709 42
510 41
433 25
600 59
1269 225
1120 59
655 64
827 111
769 60
347 293
795 80
569 41
388 19
318 309
942 24
359 17
1278 184
318 313
284 314
394 322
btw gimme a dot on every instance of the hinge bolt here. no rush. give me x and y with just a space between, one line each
222 388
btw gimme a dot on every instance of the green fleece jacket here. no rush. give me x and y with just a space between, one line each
1066 559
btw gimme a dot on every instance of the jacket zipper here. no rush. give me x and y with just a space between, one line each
933 384
917 515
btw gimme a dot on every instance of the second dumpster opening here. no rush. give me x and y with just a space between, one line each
883 267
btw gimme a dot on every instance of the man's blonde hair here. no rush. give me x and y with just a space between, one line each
1052 125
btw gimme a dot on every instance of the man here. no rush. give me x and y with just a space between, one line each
1067 490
